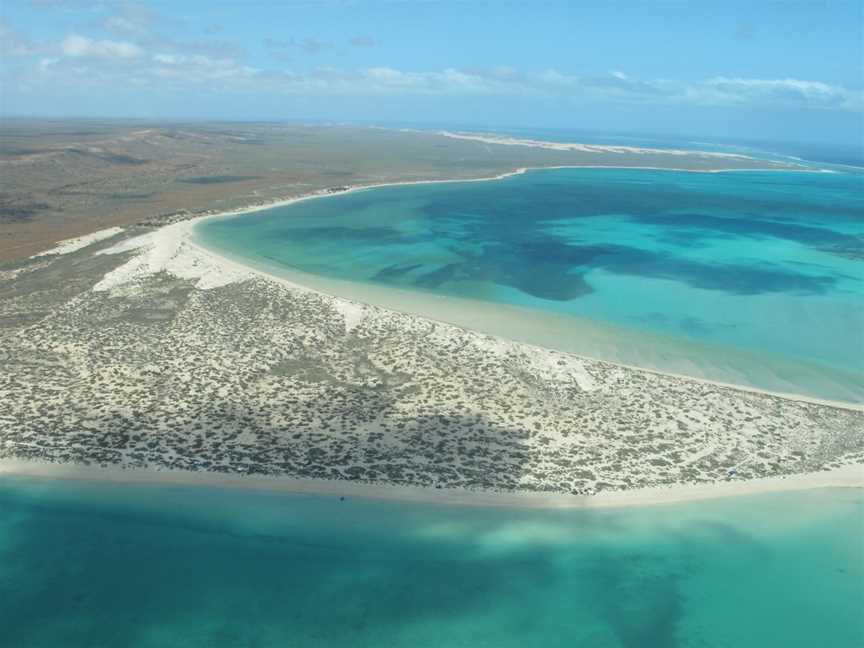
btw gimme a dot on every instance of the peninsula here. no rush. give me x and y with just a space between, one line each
157 355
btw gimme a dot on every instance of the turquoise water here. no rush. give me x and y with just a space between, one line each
764 263
162 566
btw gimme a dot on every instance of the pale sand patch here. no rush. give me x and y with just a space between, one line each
168 250
586 148
353 312
80 242
851 476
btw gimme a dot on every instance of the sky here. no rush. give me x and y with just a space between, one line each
760 69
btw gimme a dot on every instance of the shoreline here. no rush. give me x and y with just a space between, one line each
172 248
598 149
849 476
280 202
511 140
288 200
239 266
228 270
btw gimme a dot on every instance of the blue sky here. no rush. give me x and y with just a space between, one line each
758 69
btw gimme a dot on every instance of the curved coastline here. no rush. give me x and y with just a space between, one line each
282 202
304 281
845 390
181 236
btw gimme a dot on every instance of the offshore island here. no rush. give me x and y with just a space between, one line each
132 351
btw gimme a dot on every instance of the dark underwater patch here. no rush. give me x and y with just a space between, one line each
550 268
395 272
852 248
498 232
554 270
549 284
438 277
731 278
705 225
330 234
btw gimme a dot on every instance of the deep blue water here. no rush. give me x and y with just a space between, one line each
764 263
93 565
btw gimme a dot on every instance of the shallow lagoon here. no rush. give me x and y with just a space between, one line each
746 277
89 564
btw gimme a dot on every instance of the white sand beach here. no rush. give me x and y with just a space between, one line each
587 148
851 476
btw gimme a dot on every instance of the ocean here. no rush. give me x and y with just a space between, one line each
810 153
753 278
88 564
817 154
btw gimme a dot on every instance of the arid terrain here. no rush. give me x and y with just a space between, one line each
64 179
133 347
117 361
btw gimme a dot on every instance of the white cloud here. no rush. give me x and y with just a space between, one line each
197 68
385 74
786 91
169 65
504 71
82 47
